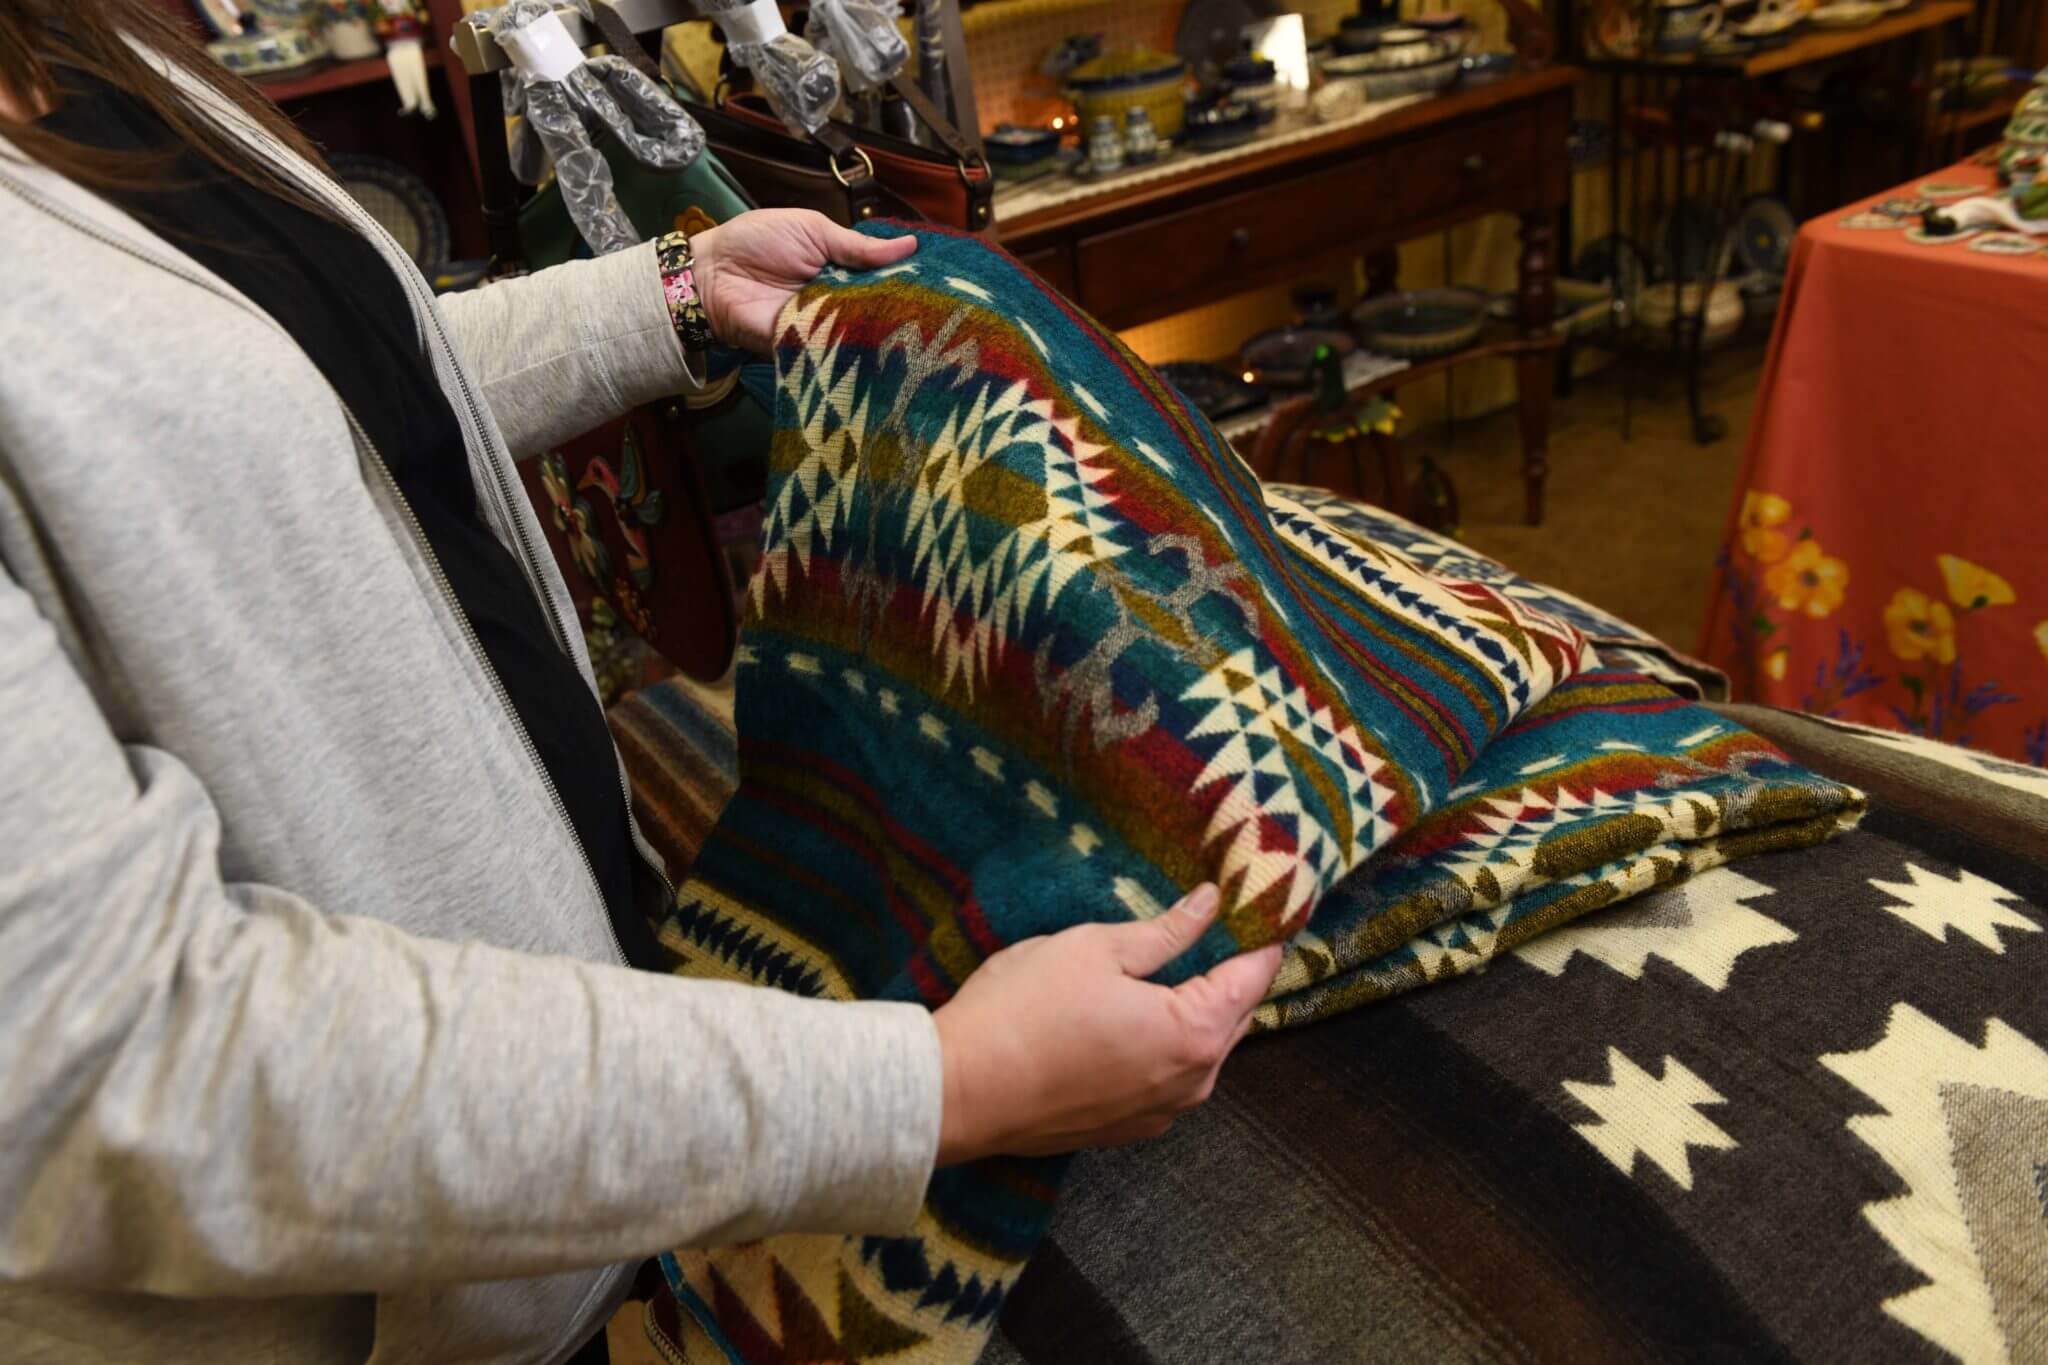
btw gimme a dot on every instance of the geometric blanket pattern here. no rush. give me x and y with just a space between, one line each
1794 1108
1030 646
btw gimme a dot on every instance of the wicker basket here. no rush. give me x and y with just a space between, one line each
1123 81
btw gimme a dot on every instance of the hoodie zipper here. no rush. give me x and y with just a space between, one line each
78 224
476 647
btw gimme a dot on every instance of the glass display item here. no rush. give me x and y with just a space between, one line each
1105 145
1141 141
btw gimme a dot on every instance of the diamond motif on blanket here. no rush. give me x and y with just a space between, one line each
1271 734
812 503
1655 1117
1700 927
1925 1080
1971 905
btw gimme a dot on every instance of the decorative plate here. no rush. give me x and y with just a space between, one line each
272 16
1902 208
403 203
1770 24
1418 324
1763 234
1947 189
2006 244
1399 49
1872 222
1284 358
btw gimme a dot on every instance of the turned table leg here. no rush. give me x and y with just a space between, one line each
1538 270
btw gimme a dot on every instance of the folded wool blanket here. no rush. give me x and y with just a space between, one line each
1029 646
1620 643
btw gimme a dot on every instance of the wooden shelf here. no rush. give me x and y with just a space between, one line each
1273 441
1815 45
298 85
1962 120
1821 44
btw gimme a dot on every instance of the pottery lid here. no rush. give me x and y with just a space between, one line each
1133 66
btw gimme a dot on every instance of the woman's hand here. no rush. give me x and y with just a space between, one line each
1059 1042
748 267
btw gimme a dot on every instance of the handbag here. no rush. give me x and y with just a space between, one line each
848 174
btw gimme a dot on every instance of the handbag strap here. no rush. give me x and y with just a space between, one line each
967 158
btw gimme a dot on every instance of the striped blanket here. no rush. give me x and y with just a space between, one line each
1029 646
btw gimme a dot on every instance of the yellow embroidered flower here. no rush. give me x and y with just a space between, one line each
1807 580
1971 586
1774 663
2041 638
1919 627
1761 512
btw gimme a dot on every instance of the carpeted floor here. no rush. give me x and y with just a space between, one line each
1632 526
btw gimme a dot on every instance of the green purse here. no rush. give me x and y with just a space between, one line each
657 201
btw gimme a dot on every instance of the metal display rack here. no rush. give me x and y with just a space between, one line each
1713 104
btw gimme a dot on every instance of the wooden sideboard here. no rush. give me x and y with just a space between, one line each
1130 257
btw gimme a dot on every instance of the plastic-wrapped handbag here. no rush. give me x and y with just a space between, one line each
848 174
633 510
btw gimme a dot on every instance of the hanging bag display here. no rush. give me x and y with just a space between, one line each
848 174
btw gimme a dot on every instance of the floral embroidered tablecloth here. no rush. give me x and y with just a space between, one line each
1885 559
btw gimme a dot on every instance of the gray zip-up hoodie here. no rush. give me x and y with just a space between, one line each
313 1045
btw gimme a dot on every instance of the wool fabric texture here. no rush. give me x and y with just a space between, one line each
1030 646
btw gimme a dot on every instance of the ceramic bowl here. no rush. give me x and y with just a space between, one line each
1847 14
1208 127
1419 324
1723 313
1357 33
1399 49
1016 153
1376 83
267 54
1284 358
1117 82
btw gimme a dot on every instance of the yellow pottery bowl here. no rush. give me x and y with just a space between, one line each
1137 79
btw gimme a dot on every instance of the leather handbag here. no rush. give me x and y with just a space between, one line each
952 188
848 174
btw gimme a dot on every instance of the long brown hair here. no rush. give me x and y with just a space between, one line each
97 37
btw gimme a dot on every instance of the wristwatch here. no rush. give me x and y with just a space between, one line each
685 304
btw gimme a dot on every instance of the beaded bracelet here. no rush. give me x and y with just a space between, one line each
679 287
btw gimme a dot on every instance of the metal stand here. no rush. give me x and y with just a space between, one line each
1676 147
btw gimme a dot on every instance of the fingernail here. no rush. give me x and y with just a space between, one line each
1199 903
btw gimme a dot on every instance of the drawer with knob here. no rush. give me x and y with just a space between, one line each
1135 273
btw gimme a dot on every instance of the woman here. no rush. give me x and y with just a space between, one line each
316 870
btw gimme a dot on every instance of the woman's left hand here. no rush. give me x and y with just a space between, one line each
748 267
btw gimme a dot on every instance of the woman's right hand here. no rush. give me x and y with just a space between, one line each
1059 1042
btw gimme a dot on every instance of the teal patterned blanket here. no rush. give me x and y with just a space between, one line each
1029 645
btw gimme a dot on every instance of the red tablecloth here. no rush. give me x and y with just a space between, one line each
1885 559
